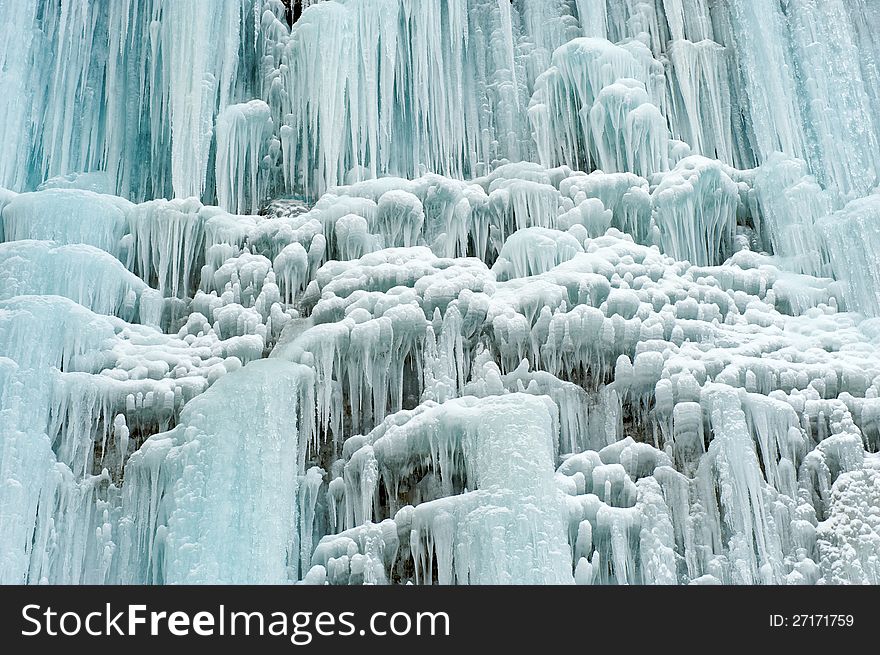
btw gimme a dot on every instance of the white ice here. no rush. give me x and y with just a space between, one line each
449 291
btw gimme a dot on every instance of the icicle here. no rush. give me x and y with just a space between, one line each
242 138
695 211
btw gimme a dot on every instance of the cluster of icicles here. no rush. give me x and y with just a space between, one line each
544 308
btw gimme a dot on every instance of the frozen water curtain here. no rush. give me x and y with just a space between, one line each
440 291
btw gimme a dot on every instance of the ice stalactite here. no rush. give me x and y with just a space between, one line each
841 113
15 60
439 292
701 102
506 528
850 240
695 211
201 60
790 204
371 327
67 134
595 107
165 243
132 89
791 105
534 250
629 132
83 401
48 508
406 70
747 526
243 134
145 110
350 97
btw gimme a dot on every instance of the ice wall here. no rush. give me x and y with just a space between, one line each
507 525
439 292
131 88
137 89
239 441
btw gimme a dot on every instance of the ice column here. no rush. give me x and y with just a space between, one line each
215 499
243 131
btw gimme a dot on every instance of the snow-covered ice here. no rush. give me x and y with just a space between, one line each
444 292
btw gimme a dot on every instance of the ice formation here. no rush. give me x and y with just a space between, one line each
440 292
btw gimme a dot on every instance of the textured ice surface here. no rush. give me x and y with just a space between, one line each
243 140
239 441
449 291
489 513
851 238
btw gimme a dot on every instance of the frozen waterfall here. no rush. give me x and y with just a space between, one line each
440 292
